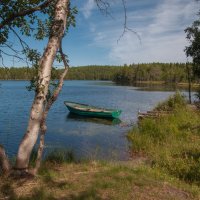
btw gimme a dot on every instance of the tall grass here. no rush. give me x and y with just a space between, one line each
175 101
171 142
59 156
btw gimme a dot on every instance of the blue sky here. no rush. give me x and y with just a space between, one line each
160 24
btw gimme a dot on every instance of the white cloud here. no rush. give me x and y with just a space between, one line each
165 49
161 29
87 8
172 15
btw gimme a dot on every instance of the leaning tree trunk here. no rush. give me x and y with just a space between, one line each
48 105
44 73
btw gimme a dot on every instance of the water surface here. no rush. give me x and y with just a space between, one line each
91 138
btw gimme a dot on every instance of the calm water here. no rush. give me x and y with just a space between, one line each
87 137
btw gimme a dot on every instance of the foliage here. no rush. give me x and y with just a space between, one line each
171 142
75 73
21 15
175 101
24 24
170 73
193 50
127 75
92 72
14 20
28 19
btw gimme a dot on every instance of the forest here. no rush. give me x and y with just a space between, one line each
169 73
75 73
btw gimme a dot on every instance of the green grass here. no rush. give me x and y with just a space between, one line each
96 180
60 156
173 102
172 143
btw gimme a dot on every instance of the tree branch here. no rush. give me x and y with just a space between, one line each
22 42
10 55
126 28
24 13
103 6
10 46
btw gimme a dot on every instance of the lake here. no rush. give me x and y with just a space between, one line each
88 138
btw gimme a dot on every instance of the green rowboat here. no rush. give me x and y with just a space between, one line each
87 110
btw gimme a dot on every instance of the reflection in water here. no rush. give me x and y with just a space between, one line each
156 87
105 121
161 87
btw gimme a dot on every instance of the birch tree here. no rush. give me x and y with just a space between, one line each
60 18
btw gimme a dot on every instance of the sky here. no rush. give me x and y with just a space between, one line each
96 38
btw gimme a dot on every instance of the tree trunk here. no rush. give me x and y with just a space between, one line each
44 74
189 82
4 162
43 127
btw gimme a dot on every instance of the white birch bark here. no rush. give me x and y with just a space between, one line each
50 102
44 74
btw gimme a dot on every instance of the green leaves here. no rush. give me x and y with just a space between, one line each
33 55
193 50
71 18
20 18
4 35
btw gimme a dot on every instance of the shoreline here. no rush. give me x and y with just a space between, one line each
180 84
162 83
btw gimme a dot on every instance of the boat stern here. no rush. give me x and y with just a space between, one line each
116 113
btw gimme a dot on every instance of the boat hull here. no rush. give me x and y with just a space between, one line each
86 110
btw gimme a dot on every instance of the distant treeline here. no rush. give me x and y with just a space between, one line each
165 72
75 73
171 73
93 72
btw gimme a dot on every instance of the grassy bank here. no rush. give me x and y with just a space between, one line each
171 143
97 180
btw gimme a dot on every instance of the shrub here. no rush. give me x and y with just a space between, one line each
175 101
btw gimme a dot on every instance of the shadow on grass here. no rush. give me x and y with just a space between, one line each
7 192
42 194
86 195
